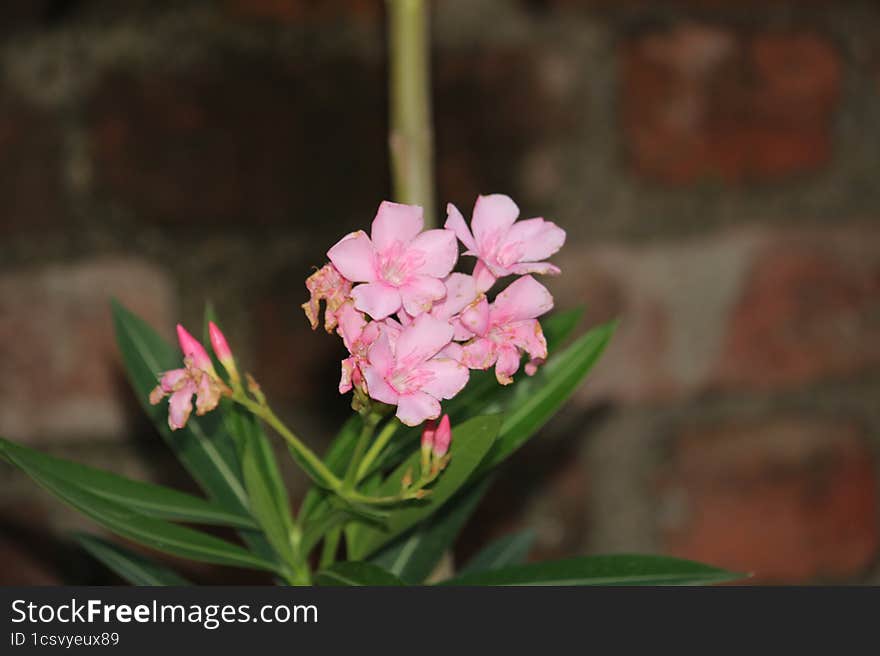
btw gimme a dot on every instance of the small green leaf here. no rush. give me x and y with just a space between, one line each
133 567
509 550
355 573
617 569
160 535
205 450
146 498
471 441
414 555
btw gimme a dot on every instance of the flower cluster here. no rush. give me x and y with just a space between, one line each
413 327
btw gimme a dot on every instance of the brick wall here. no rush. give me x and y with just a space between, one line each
714 162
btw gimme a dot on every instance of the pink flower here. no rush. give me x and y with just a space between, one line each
504 245
411 373
505 327
326 284
401 265
197 378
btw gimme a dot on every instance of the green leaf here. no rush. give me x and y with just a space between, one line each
146 498
133 567
267 494
536 400
160 535
471 442
204 449
618 569
355 573
413 556
509 550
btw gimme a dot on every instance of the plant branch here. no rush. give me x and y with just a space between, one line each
411 136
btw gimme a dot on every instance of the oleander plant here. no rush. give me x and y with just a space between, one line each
449 373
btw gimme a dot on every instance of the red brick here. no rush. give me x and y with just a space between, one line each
702 102
237 146
30 168
481 143
809 309
63 379
791 499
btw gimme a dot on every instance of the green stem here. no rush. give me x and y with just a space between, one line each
366 433
384 437
329 479
411 138
331 545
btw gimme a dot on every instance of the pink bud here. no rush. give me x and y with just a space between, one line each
428 444
192 349
442 437
428 435
222 350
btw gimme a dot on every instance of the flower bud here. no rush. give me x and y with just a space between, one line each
223 352
442 438
428 444
193 350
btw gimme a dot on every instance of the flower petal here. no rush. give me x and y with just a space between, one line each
381 355
479 354
461 289
418 295
455 222
437 250
354 257
417 407
351 325
449 378
544 268
180 406
476 317
506 365
493 216
524 298
538 239
377 387
376 299
483 277
395 222
421 340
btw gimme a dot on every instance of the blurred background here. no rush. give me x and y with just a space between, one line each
715 163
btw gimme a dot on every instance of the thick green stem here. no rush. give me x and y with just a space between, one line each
331 545
411 136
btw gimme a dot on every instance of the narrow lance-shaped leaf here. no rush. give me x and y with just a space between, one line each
509 550
135 568
617 569
146 498
355 573
163 536
414 555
